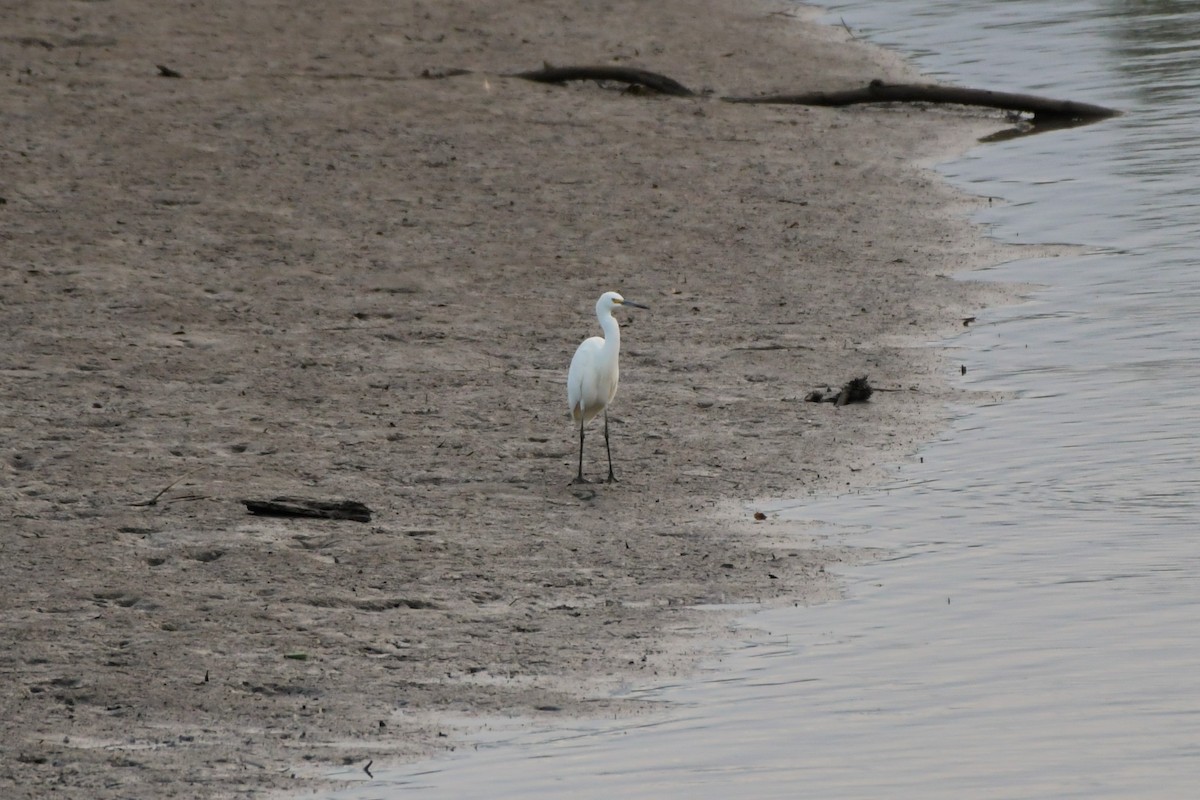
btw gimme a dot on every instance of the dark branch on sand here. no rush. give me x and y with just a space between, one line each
1047 112
1042 108
631 75
306 507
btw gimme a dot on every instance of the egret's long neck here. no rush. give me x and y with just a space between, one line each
612 332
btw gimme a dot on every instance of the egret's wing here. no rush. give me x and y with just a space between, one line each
579 376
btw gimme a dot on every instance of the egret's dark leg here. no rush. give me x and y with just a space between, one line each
579 477
611 478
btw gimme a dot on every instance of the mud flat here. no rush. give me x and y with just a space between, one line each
300 268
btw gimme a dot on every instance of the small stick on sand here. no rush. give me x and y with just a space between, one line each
153 501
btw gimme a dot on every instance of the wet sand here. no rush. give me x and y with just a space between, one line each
303 269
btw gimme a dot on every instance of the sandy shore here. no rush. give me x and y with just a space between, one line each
301 268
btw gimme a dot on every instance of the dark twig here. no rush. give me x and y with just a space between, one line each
763 347
436 74
153 501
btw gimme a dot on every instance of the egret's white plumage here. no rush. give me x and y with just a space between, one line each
594 373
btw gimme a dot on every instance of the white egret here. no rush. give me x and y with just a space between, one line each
592 378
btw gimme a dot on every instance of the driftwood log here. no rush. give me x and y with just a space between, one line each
1043 109
307 507
1046 111
631 75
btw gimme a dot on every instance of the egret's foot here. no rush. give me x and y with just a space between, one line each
579 479
611 478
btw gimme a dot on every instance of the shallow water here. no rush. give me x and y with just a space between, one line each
1035 630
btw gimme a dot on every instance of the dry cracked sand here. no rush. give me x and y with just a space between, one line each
303 268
